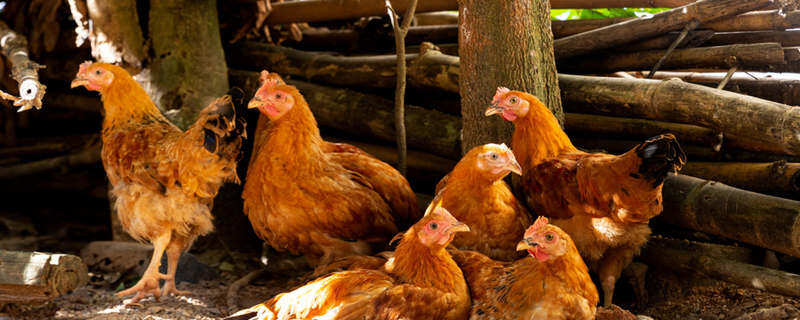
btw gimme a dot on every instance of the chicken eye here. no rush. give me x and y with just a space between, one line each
278 95
513 100
493 156
98 72
433 225
548 237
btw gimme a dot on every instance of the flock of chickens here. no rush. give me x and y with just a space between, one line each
475 253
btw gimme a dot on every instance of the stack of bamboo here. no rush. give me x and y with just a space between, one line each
745 133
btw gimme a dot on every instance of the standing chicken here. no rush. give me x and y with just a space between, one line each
421 281
603 201
164 180
308 196
553 283
475 193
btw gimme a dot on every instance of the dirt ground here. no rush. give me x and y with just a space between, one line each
707 300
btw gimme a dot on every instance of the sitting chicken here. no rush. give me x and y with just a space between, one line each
164 180
604 202
552 283
311 197
421 281
475 193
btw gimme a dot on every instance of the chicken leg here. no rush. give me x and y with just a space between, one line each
149 281
174 250
610 267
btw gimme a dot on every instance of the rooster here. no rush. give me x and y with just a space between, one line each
421 281
164 180
475 193
307 196
551 283
604 202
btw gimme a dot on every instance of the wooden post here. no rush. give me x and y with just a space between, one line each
520 57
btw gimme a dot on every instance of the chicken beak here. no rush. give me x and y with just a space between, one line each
513 165
493 109
78 82
459 227
256 102
526 244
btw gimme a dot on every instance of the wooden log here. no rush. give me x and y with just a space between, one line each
722 268
770 124
34 277
742 254
85 157
370 71
751 21
361 40
579 123
322 10
358 114
642 28
436 18
775 178
759 56
694 152
693 39
778 88
749 217
789 38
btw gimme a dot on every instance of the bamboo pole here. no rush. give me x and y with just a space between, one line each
714 208
636 29
775 178
755 56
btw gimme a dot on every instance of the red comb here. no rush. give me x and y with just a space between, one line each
270 79
540 222
501 91
85 65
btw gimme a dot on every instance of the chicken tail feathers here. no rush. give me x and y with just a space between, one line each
257 312
660 155
224 125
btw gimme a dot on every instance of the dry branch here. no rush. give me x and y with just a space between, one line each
34 277
721 268
769 125
755 56
85 157
23 70
400 32
642 28
712 207
776 178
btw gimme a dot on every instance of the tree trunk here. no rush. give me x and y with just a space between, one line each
188 69
642 28
711 207
115 33
503 43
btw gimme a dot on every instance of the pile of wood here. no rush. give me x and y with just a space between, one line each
721 97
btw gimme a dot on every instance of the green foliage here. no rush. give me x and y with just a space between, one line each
577 14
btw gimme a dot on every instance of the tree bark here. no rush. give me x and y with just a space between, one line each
776 178
722 268
711 207
515 53
188 74
748 56
34 277
768 124
641 28
115 34
774 88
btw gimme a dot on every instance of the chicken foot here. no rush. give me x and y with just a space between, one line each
610 268
149 283
174 251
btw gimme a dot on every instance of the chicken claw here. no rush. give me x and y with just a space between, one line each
170 289
147 285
